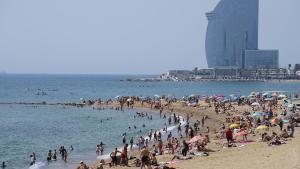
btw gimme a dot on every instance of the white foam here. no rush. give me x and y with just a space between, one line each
37 165
171 128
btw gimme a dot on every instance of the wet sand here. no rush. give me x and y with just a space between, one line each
256 155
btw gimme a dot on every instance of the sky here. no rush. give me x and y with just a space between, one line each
126 36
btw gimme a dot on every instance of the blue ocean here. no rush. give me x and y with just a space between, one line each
38 128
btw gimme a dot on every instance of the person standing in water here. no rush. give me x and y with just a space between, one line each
54 155
32 159
65 155
3 165
49 155
131 143
124 139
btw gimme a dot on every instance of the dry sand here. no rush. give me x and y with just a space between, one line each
257 155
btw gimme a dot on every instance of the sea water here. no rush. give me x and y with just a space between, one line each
29 128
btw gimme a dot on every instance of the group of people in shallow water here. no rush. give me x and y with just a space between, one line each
153 144
52 155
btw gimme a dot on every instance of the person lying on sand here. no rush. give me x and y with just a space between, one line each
275 140
201 147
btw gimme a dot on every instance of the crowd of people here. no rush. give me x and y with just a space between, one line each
275 124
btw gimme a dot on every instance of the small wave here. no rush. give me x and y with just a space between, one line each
37 165
171 128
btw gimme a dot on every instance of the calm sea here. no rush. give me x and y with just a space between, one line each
25 128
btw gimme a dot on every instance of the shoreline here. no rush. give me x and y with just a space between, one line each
195 113
214 121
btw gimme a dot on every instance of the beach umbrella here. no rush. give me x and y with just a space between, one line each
250 96
192 95
269 99
290 106
232 95
196 139
156 95
285 121
256 114
265 114
262 127
282 96
255 104
266 94
242 133
225 101
233 126
275 121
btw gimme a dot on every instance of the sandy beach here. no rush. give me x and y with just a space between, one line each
257 154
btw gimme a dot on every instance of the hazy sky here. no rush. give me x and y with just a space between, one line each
126 36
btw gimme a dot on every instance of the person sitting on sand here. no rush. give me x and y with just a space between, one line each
201 147
82 165
154 160
275 139
265 137
145 158
284 134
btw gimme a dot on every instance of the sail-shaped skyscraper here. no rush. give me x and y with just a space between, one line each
232 37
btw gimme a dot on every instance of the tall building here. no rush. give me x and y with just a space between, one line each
232 37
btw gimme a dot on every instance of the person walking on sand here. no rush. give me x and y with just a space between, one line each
179 129
229 136
185 148
145 158
113 156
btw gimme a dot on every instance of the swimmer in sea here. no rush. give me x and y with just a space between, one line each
3 165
